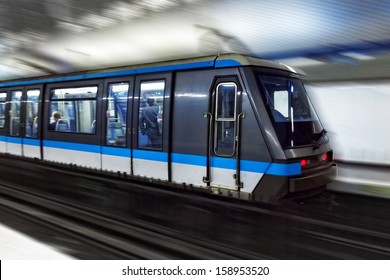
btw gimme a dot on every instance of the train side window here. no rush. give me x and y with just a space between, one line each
3 98
225 119
151 110
31 118
73 109
116 114
16 97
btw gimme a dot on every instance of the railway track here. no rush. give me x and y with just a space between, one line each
134 221
114 239
50 232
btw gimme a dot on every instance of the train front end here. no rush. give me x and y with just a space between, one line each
298 143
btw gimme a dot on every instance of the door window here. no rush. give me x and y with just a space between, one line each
31 118
151 109
3 98
225 119
116 114
16 97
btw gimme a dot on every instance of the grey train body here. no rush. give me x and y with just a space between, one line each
229 125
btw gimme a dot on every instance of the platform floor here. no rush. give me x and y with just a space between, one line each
18 246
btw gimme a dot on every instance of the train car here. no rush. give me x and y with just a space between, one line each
231 125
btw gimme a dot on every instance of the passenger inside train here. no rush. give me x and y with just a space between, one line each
56 117
148 123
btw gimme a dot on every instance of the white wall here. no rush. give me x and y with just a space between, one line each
357 117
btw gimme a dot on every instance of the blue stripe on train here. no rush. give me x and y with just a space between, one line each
278 169
18 140
150 155
31 142
116 151
14 140
72 146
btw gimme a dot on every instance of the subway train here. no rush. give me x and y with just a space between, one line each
230 125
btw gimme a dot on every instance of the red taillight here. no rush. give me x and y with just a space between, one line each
325 157
304 162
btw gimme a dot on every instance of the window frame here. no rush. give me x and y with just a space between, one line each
220 121
106 109
94 139
19 110
36 122
4 115
138 127
74 100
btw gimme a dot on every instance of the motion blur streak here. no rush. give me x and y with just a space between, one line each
71 35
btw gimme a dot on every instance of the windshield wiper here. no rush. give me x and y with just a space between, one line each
319 141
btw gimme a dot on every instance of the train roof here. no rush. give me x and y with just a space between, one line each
246 60
212 61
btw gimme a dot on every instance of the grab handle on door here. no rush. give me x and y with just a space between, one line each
239 184
207 179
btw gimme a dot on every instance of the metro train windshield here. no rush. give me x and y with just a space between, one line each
295 121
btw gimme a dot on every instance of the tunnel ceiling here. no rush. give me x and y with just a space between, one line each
43 37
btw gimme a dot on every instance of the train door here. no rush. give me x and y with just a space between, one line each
117 104
22 122
223 159
151 126
3 114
